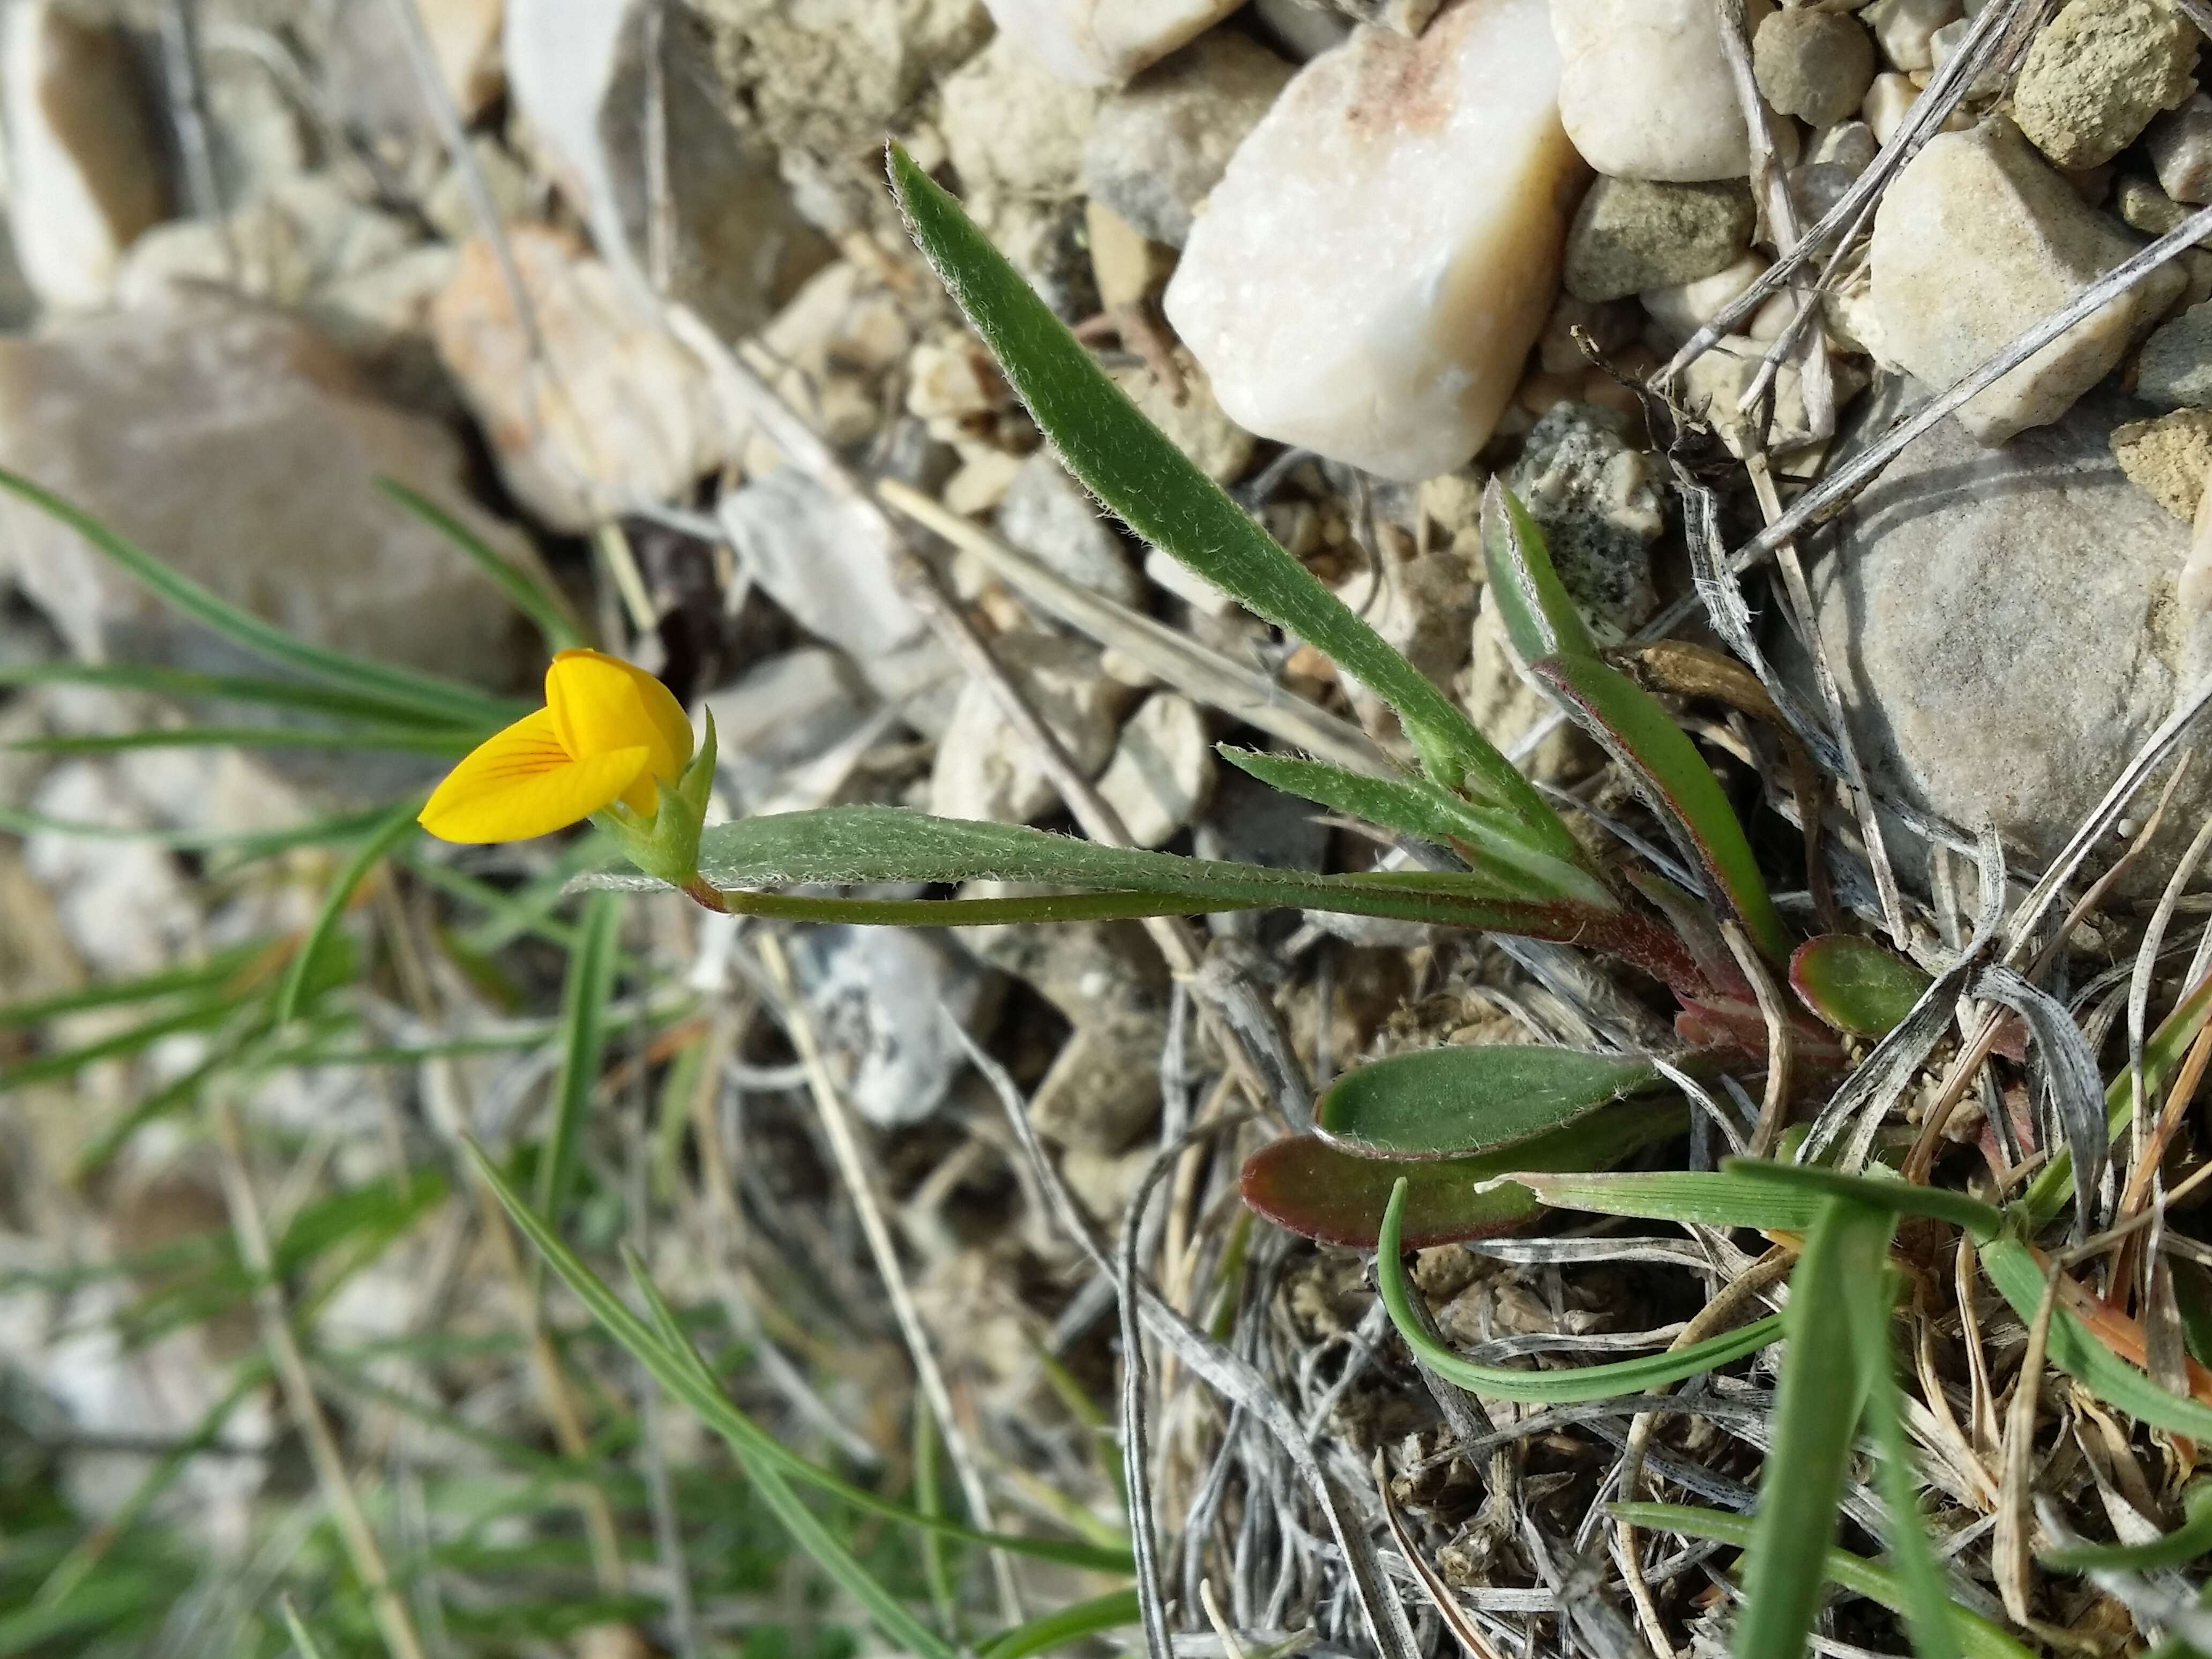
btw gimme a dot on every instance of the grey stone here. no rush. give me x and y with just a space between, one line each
2005 629
1052 518
879 996
1906 29
371 71
2143 206
782 713
1161 142
2098 73
2180 146
1163 769
1598 503
1816 65
1250 822
1303 30
1633 234
2175 368
986 769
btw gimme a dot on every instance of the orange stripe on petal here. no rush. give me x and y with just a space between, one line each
521 783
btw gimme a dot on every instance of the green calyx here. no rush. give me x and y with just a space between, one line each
666 846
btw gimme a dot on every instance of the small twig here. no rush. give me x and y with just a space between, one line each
1781 1041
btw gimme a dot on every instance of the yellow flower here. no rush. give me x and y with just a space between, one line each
608 732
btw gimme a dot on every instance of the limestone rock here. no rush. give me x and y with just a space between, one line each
617 410
371 80
1682 308
986 769
2179 145
734 247
1159 145
1598 503
1052 518
2003 626
1395 338
84 178
880 997
1102 43
1816 65
1010 126
1984 201
1644 88
2175 368
1163 769
242 448
1632 234
2171 457
299 237
780 714
2098 73
1906 29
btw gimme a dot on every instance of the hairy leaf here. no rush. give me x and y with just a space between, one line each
1540 618
1450 1101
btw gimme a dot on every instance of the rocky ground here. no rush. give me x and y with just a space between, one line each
619 286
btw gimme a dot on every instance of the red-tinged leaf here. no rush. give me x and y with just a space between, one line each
1452 1102
1730 1022
1854 984
1324 1192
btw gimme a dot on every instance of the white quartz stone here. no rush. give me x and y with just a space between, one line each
1336 296
1645 90
1685 307
1102 43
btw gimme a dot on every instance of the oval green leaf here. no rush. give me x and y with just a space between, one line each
1854 984
1444 1103
1321 1190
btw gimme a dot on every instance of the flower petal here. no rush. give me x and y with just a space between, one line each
600 703
520 782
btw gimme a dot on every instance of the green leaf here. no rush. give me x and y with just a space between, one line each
2074 1348
396 739
430 694
2181 1547
1138 472
1327 1192
1539 618
1892 1194
848 845
197 1016
1816 1419
584 993
1631 727
1854 984
235 963
681 1374
1521 860
556 626
398 826
1687 1196
1547 1388
303 1641
1116 1610
1979 1637
190 685
1444 1103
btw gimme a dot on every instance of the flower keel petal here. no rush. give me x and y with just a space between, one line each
600 703
521 782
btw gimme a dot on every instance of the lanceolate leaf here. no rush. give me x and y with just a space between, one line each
1521 858
1550 1387
1688 1196
1140 474
1854 984
1890 1194
1674 777
1539 618
1442 1102
1327 1192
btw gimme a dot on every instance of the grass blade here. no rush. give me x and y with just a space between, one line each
1816 1419
431 693
188 685
556 625
398 826
1116 1610
2184 1545
1979 1637
584 994
397 739
1447 1103
1691 1197
1895 1196
1550 1387
239 962
1129 465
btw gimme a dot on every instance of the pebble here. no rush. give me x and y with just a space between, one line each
616 410
370 73
2174 370
1012 127
1905 30
242 448
1682 308
1053 519
1632 234
1102 43
783 712
2098 73
1816 65
1984 202
1645 89
82 178
879 996
1158 146
1597 501
986 770
2004 626
733 246
290 243
1127 265
1394 340
1423 607
2180 146
1163 769
2170 456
